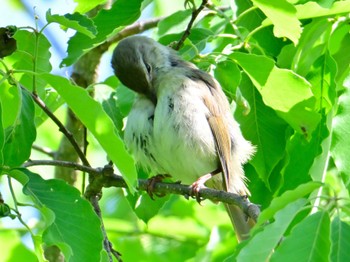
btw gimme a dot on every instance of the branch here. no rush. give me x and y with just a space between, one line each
61 127
44 150
187 32
104 177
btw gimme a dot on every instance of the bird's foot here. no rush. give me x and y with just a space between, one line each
198 185
152 181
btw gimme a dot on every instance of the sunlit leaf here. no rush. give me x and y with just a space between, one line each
75 21
282 14
98 123
33 54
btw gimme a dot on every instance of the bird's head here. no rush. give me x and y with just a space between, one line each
136 61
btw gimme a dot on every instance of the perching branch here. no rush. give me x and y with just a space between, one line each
104 177
187 32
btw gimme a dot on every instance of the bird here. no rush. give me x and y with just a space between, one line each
181 123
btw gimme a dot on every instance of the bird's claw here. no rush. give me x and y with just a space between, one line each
151 183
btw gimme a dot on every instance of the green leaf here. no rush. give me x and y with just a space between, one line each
2 137
286 92
75 227
98 123
287 197
20 136
282 15
175 23
302 153
228 75
257 67
122 12
76 21
340 237
262 244
308 241
312 9
340 149
146 208
263 128
113 111
86 5
10 101
33 54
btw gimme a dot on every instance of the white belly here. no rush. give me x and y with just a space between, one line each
177 140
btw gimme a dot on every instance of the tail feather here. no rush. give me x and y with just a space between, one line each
241 223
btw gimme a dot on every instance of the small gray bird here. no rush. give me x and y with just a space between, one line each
181 123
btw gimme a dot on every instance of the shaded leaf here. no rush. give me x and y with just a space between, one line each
263 128
228 75
309 241
340 149
76 21
98 123
75 227
20 136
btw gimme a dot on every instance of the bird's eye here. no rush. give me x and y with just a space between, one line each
148 67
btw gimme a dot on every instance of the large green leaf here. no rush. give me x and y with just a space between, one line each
308 241
282 14
286 92
262 244
2 137
122 12
76 21
33 54
73 225
20 136
340 236
341 125
263 128
98 123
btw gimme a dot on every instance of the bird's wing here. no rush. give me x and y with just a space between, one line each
217 105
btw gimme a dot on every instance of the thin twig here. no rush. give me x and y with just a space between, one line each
104 177
44 150
187 32
61 127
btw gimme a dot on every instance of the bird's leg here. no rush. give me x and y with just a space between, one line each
199 184
152 181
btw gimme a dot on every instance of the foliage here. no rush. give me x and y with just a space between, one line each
284 65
